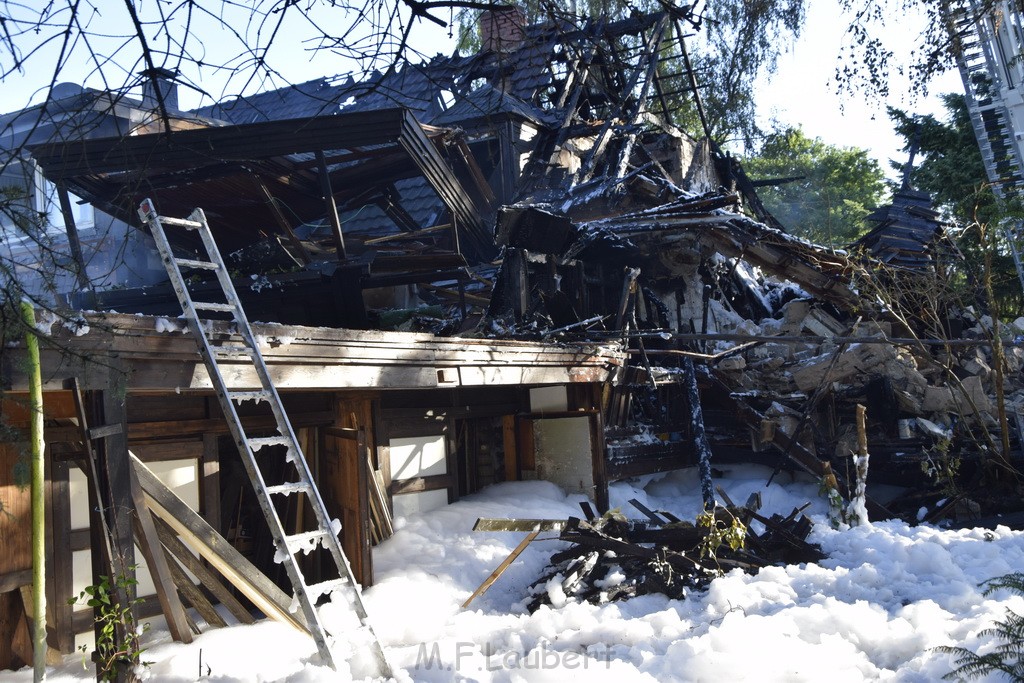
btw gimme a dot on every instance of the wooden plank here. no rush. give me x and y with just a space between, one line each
14 580
16 518
379 504
191 593
156 451
15 410
419 484
53 655
149 543
182 554
213 548
186 148
105 431
361 467
155 430
489 581
490 524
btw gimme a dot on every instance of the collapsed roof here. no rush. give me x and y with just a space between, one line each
580 116
541 188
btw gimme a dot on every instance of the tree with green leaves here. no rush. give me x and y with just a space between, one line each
831 191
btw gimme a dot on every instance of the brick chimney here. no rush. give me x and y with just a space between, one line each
502 30
164 80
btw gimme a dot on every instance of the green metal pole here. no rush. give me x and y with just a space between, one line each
35 397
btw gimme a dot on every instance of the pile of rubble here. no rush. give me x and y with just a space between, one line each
612 558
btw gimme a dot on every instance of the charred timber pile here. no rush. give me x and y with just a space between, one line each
612 558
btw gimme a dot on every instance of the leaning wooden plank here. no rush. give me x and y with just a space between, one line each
379 502
53 656
213 548
489 581
191 593
183 555
159 569
488 524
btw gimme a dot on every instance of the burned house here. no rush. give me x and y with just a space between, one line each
506 265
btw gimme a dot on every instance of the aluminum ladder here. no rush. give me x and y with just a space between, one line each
988 36
288 545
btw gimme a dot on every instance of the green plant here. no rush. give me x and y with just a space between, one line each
942 467
119 636
720 532
1008 656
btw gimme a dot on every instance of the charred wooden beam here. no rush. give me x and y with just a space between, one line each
330 207
183 148
282 221
439 174
71 229
700 439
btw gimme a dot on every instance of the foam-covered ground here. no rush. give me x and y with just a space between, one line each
887 594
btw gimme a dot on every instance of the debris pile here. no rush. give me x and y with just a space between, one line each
612 558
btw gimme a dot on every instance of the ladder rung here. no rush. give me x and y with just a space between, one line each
315 590
207 306
232 350
266 441
249 396
290 487
305 541
199 265
181 223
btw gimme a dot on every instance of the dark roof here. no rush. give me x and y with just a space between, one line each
312 98
906 231
486 102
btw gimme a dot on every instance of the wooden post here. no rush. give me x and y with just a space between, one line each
59 556
628 293
113 485
700 439
856 511
71 228
332 207
597 450
113 473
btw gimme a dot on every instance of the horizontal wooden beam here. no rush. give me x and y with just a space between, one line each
490 524
154 430
200 147
301 358
419 484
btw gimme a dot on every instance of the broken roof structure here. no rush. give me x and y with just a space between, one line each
481 268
